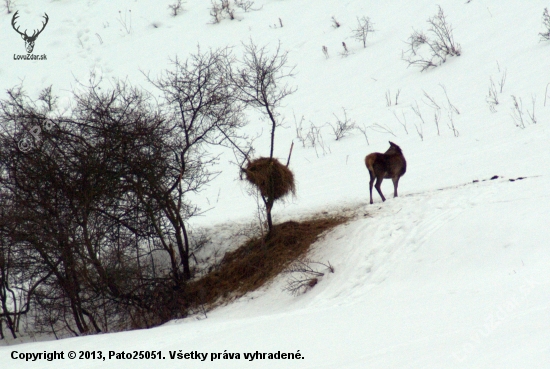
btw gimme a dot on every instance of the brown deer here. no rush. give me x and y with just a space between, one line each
390 164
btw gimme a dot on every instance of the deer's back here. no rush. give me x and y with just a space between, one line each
388 165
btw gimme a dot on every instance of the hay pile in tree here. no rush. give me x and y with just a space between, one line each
271 177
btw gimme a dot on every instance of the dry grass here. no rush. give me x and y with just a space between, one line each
271 177
257 262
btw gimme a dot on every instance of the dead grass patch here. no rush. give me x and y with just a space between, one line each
256 262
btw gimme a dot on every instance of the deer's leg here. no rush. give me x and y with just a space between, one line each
370 185
377 186
395 184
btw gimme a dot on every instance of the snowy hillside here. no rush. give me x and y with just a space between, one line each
454 273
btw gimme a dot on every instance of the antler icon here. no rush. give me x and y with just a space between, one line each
29 40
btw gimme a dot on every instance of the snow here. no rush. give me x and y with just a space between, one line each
451 274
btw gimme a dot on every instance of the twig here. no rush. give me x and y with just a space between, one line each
492 97
432 101
451 106
404 123
517 112
532 113
290 154
364 132
382 129
437 117
502 80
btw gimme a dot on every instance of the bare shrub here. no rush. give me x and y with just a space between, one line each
228 9
305 275
364 27
517 112
314 139
388 97
221 9
325 51
335 23
492 96
545 35
216 12
426 52
300 130
126 21
346 52
343 125
75 192
9 5
94 217
246 5
176 7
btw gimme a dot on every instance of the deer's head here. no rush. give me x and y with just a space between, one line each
29 40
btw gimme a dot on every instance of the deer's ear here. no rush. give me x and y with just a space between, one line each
391 143
23 37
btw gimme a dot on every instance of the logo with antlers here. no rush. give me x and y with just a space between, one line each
29 40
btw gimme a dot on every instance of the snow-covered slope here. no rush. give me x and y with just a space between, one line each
452 274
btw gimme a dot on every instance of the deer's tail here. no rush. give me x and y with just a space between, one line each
369 162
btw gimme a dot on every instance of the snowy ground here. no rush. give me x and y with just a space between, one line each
452 274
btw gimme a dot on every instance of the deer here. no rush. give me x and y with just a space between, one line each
391 164
29 40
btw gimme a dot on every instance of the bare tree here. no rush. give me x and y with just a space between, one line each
205 109
364 27
261 79
56 186
93 214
